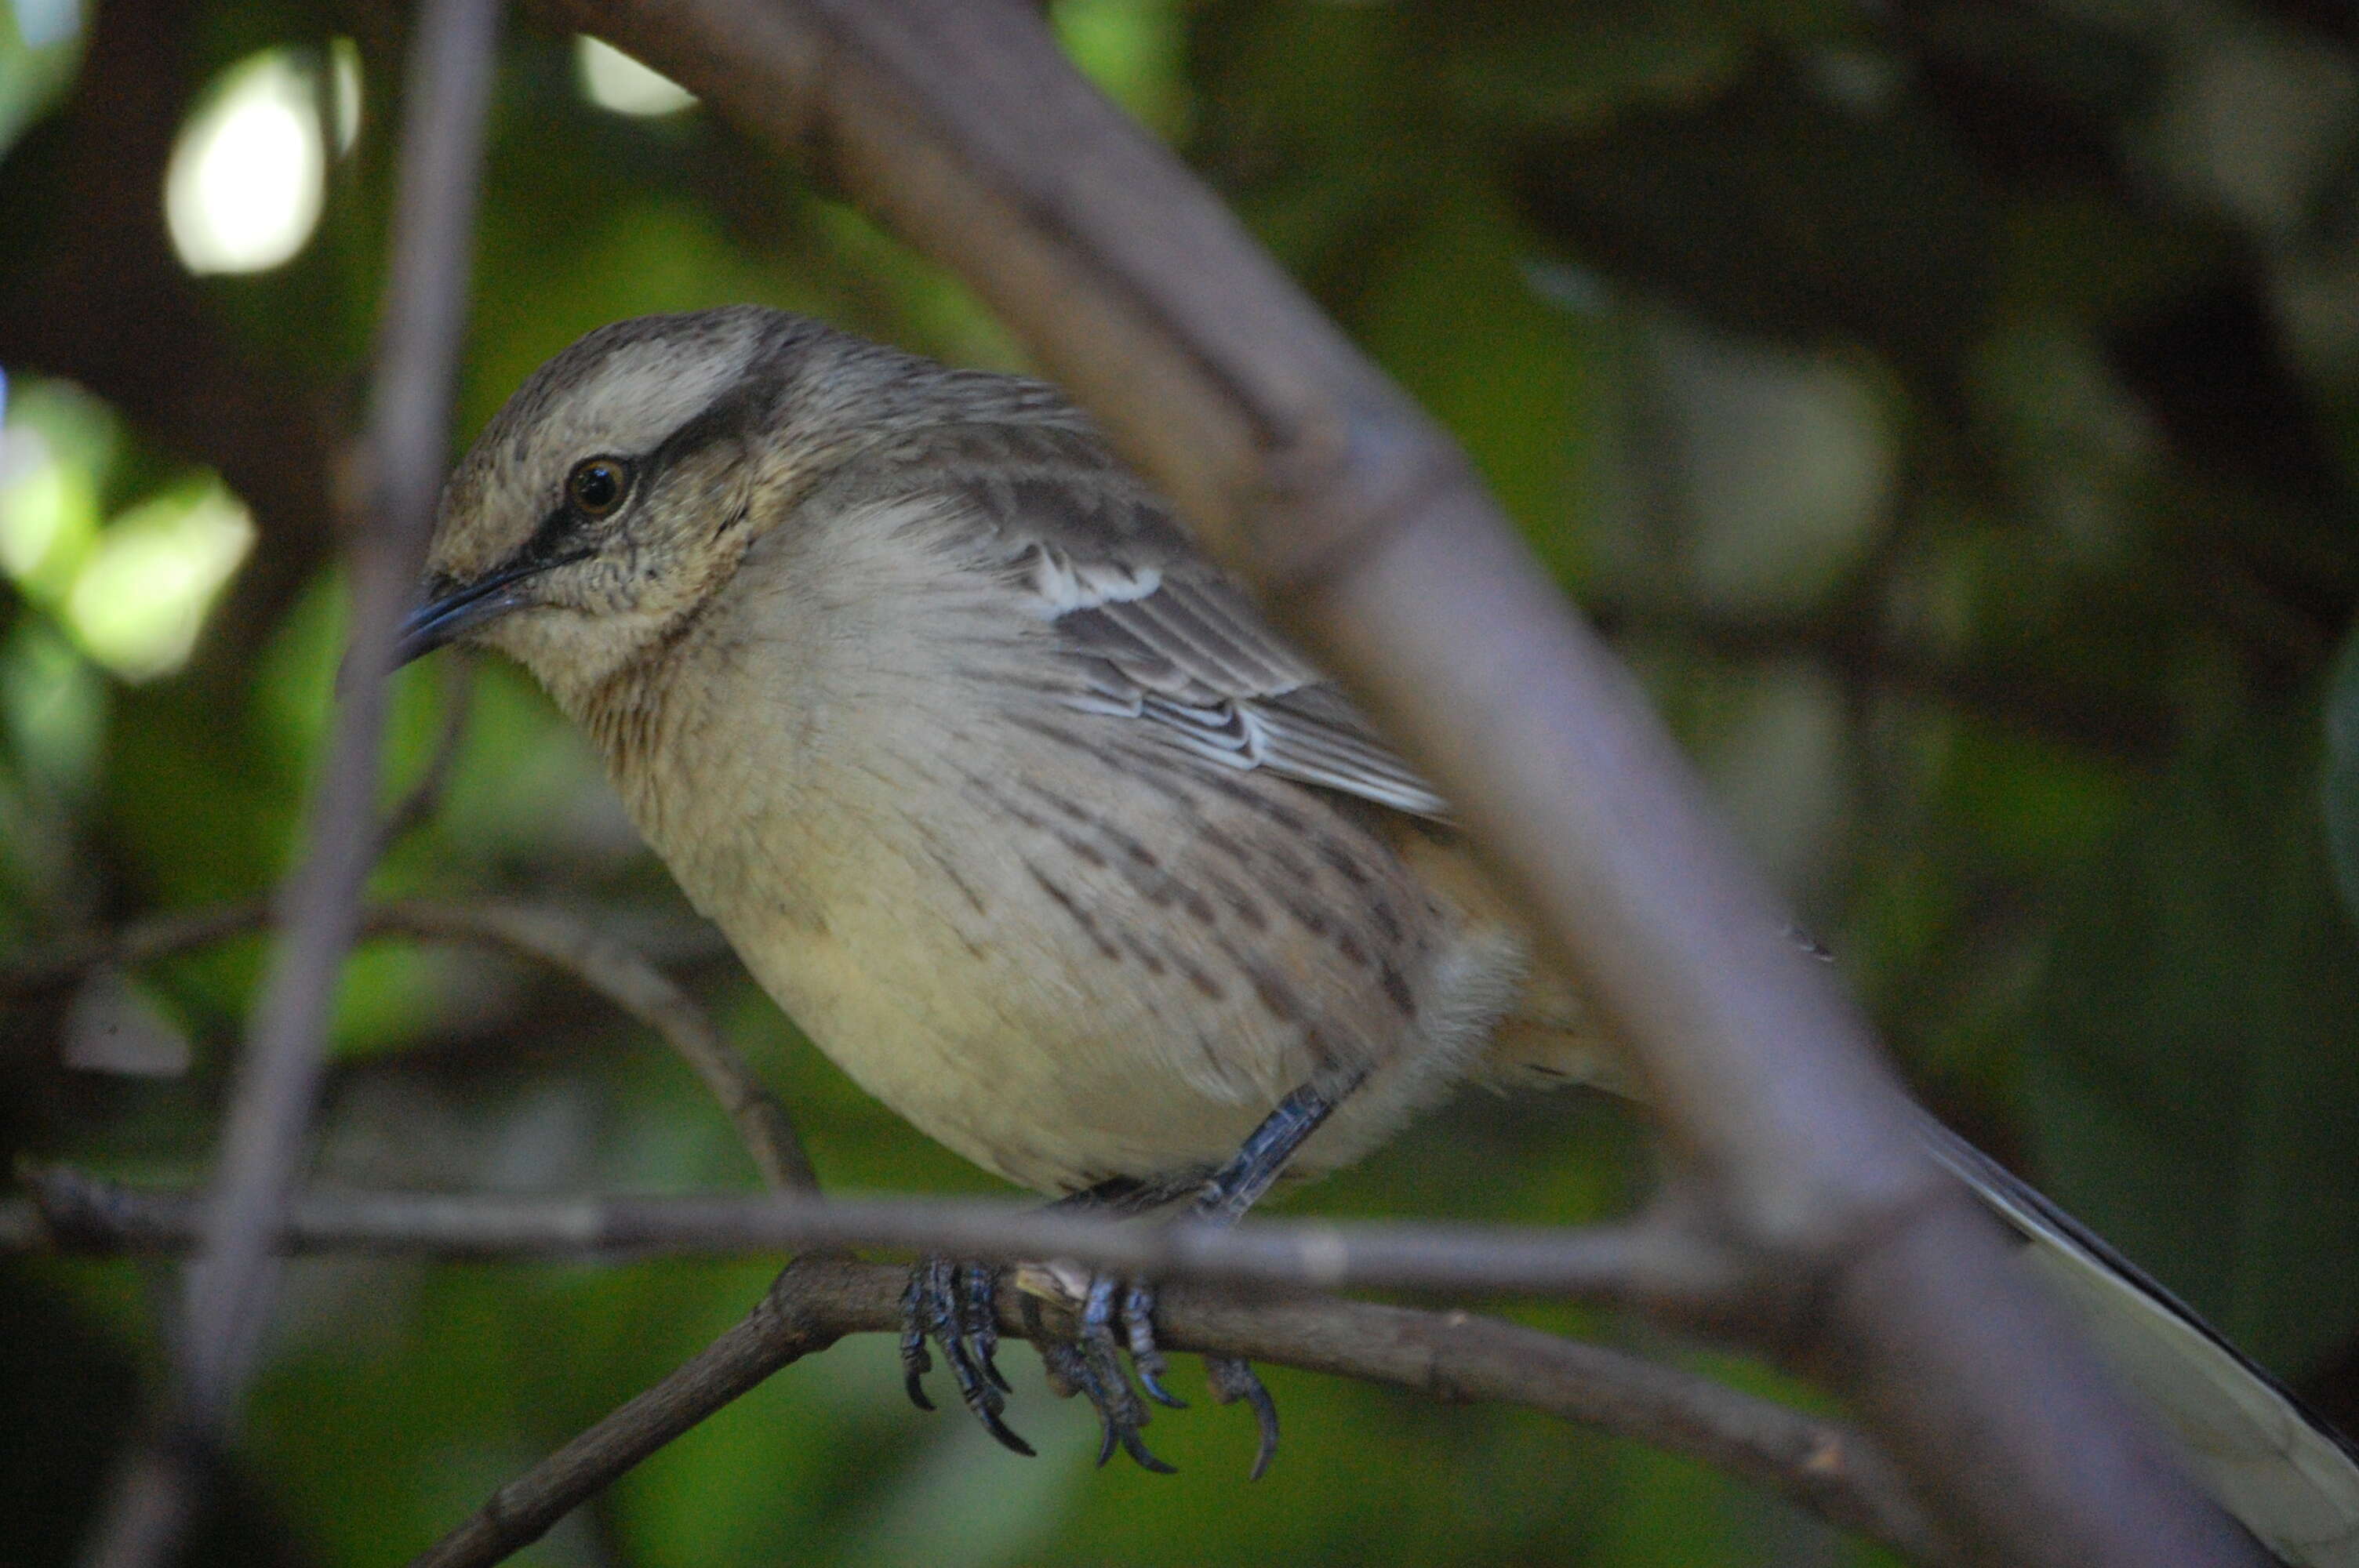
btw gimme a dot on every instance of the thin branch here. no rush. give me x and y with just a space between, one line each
2044 703
1828 1467
1647 1265
779 1331
136 942
278 1079
564 941
1819 1466
231 1283
962 126
643 992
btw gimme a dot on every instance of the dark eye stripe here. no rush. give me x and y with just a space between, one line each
557 536
735 411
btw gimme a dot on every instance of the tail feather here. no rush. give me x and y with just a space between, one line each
2280 1469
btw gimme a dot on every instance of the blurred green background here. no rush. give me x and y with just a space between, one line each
1950 406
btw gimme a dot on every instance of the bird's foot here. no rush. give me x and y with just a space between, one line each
1090 1362
956 1305
1117 1315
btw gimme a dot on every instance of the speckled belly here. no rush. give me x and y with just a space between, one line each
1063 999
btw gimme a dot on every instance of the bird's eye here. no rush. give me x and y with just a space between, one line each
597 485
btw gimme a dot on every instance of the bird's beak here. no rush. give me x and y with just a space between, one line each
462 607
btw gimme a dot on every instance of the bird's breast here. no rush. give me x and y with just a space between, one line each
1060 946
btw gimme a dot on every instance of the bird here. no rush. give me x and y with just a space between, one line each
1013 800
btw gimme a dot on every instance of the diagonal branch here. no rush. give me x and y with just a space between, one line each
1816 1465
277 1080
562 940
230 1285
643 992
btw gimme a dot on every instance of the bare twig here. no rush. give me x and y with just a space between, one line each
277 1082
2050 704
136 942
1818 1464
1821 1465
230 1285
1647 1265
778 1332
1453 1356
1828 1467
641 990
962 126
565 941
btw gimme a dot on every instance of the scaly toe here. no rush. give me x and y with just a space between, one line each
916 1318
1100 1377
1146 1357
954 1306
978 1306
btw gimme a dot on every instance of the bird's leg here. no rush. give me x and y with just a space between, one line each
955 1304
1221 1201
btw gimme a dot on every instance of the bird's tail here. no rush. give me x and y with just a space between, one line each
2282 1471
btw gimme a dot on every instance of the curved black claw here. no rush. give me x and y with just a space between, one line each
954 1306
1232 1380
979 1310
1099 1373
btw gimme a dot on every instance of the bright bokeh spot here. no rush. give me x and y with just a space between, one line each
40 43
344 84
48 511
130 592
613 80
139 599
248 176
44 23
54 442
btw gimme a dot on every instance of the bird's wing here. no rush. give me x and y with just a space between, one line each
2287 1476
1159 634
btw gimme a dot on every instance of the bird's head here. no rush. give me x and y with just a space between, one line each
614 492
621 486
